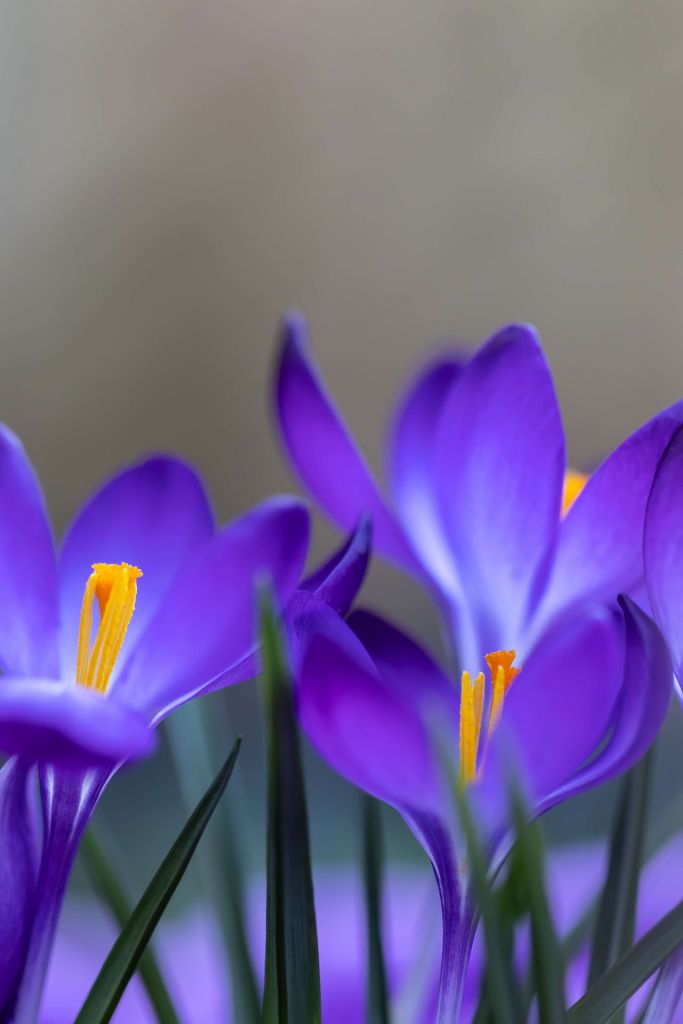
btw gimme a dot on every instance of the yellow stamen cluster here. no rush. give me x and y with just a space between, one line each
503 672
115 587
574 483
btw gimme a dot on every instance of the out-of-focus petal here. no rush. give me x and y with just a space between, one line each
338 581
558 710
501 466
412 465
17 876
62 724
28 582
409 670
207 621
151 515
640 708
663 549
366 730
600 547
322 451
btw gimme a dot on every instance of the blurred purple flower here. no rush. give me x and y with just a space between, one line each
74 705
589 702
191 953
523 562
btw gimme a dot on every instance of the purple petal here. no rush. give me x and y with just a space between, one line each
322 450
663 548
69 795
17 875
151 515
599 553
501 465
28 583
59 723
338 581
409 670
362 727
640 709
559 708
207 622
335 584
412 465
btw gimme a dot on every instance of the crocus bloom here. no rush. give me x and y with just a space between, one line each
588 703
482 507
80 699
525 563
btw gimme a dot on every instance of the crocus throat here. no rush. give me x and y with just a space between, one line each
574 483
115 587
502 670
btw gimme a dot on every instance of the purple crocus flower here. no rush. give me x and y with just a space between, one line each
589 702
525 563
80 699
481 506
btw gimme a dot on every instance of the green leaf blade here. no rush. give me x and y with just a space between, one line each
502 999
218 858
615 923
107 885
292 973
126 952
545 948
378 996
615 987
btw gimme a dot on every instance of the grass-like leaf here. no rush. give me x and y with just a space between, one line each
125 954
502 994
106 884
615 987
615 923
545 949
292 977
378 998
218 858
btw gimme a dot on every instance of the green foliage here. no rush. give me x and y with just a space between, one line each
292 979
126 952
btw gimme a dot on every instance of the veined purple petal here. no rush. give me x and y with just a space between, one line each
600 548
368 733
322 451
558 709
151 515
412 465
663 548
640 709
338 581
501 466
69 796
28 582
59 723
207 621
17 876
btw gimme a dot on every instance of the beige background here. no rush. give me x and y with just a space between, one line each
177 172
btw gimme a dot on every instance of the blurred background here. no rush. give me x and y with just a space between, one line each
176 174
